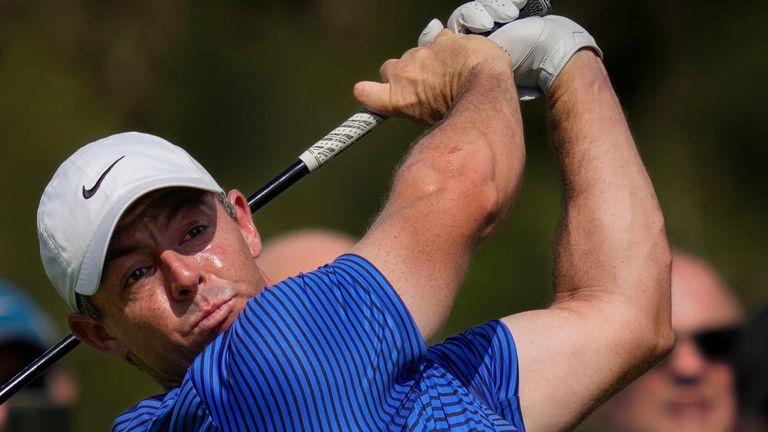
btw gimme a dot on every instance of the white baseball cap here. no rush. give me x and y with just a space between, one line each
88 194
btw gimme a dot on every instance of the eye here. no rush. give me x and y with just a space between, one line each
136 275
194 232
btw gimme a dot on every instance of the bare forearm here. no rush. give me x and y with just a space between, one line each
611 312
452 190
613 242
477 151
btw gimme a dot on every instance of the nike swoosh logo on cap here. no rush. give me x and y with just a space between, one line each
88 193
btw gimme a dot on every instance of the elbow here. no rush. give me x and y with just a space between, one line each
664 335
656 337
652 295
653 346
644 341
650 320
665 342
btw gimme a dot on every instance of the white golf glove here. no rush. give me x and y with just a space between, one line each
482 15
475 17
539 47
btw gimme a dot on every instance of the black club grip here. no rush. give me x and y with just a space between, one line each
535 8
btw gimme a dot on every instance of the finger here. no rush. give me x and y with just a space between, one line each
470 18
385 71
374 96
519 4
430 32
502 11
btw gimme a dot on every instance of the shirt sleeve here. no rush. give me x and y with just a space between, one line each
312 353
484 359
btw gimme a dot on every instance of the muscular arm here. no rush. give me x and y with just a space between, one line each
453 188
610 319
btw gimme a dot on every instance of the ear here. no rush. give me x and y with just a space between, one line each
96 335
245 221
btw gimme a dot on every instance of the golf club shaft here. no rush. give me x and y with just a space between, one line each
38 367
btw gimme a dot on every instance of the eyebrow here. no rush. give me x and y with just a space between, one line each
113 255
180 201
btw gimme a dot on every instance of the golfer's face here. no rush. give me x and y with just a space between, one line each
179 270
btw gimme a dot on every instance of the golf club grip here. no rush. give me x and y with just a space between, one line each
335 142
531 8
535 8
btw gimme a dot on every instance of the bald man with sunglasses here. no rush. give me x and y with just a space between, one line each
693 388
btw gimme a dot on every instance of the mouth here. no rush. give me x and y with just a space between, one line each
214 317
690 409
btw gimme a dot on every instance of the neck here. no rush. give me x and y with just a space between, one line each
168 380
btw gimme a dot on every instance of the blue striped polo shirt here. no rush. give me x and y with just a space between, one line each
335 350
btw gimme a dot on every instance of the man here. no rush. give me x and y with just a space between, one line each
25 333
160 266
693 389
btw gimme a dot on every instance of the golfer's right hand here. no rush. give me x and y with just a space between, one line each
425 82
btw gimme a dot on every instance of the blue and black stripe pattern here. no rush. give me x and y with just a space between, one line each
336 349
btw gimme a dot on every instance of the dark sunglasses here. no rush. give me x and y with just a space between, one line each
716 344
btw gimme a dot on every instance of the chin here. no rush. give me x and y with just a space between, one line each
238 304
700 423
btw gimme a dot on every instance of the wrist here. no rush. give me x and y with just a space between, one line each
585 69
495 73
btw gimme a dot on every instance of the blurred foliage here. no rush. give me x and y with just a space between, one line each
246 86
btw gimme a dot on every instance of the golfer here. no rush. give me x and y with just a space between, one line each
157 263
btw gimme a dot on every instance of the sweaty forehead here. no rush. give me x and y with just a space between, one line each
700 298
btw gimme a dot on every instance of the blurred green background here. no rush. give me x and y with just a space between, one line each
245 87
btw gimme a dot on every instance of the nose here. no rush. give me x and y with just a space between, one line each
685 363
182 275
